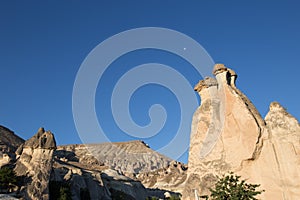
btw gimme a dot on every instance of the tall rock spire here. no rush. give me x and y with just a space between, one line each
229 134
35 162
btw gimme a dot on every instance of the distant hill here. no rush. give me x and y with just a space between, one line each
9 141
125 157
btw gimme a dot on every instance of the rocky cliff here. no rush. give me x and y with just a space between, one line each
35 160
228 134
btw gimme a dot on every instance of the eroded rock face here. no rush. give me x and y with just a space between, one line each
9 142
125 157
228 134
285 138
171 178
35 161
122 168
277 168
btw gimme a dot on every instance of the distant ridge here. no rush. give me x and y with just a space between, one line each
125 157
9 141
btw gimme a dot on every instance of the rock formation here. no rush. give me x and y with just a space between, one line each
277 168
9 142
101 171
111 169
228 134
125 157
35 160
171 178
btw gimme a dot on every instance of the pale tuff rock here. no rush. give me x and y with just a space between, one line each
125 157
219 68
7 197
35 162
222 122
80 170
206 83
228 134
171 178
4 159
277 166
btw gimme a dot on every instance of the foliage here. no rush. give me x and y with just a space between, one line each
8 179
230 187
151 198
174 197
59 191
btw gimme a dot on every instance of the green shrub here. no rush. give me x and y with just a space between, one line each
59 191
230 187
174 197
8 179
151 198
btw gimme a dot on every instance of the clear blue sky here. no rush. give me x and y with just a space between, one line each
42 45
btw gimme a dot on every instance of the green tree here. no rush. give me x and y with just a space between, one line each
64 193
59 191
174 197
8 179
230 187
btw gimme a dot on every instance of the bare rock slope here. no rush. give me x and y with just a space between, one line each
228 134
9 142
125 157
108 169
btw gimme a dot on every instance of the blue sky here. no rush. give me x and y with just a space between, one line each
43 44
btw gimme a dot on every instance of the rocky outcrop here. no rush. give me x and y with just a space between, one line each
228 134
80 178
35 160
171 178
122 168
9 142
7 197
125 157
277 168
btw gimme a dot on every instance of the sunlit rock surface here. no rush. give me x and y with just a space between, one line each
228 134
35 164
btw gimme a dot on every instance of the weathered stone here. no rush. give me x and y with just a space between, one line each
219 68
206 83
35 162
42 139
228 134
277 167
125 157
